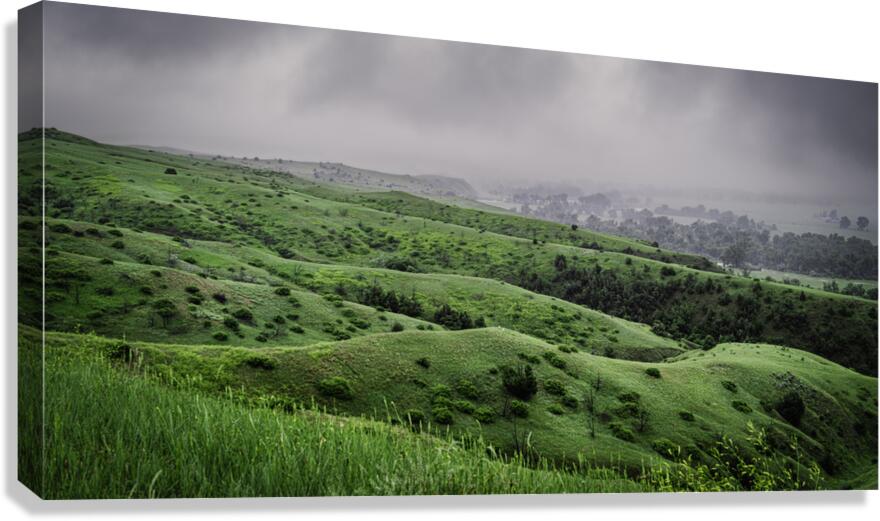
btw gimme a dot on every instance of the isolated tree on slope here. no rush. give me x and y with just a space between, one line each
862 222
845 222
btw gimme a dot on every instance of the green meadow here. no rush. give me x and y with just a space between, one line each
232 329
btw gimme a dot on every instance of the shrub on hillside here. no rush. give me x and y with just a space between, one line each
119 245
219 297
282 291
554 387
260 362
336 387
742 407
220 336
730 386
686 416
554 360
171 171
467 389
423 362
231 323
484 414
396 327
791 407
653 372
244 315
556 409
442 415
519 409
621 431
519 381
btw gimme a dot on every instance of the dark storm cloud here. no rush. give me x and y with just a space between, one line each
485 113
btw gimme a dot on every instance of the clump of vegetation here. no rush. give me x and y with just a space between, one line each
442 415
554 387
423 362
396 327
686 416
791 407
336 387
282 291
554 359
467 389
653 372
260 362
741 406
730 386
621 431
519 381
244 315
484 414
220 336
170 171
519 409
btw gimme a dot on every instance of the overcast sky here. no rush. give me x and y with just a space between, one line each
484 113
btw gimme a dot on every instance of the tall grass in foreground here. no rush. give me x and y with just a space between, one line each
114 435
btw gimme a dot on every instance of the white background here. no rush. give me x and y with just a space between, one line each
837 39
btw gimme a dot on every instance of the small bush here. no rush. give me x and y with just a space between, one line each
60 228
119 245
665 447
554 387
621 431
219 297
463 406
554 360
244 315
156 273
423 362
171 171
220 336
629 397
520 381
336 387
260 362
278 319
686 416
556 409
192 290
653 372
231 323
569 401
106 262
484 414
146 290
519 409
666 271
396 327
282 291
441 391
791 407
106 291
414 417
742 407
730 386
442 415
194 300
467 389
297 329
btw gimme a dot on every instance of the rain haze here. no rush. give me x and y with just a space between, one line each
483 113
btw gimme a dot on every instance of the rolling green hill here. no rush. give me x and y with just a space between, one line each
457 380
538 356
300 220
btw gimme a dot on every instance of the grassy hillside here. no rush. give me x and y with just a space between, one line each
379 342
287 217
111 434
639 411
321 299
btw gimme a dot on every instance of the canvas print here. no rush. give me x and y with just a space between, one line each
271 260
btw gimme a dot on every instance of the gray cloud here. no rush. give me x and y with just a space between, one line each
490 114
